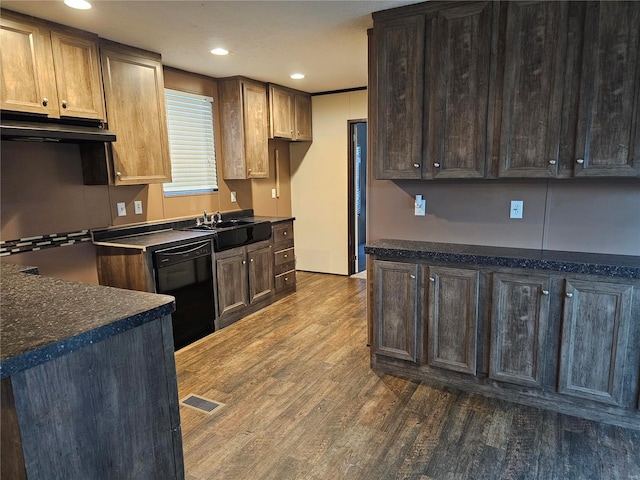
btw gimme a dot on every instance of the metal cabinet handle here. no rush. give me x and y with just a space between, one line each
45 102
285 256
580 161
432 279
251 260
298 132
284 233
118 174
244 262
416 165
412 276
552 162
569 295
64 104
286 279
437 165
545 292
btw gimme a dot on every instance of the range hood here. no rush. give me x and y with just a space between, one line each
53 132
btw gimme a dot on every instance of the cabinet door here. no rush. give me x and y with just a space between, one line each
303 117
453 318
458 55
260 271
608 136
255 130
395 309
595 329
134 92
26 69
399 95
531 89
231 274
281 112
78 79
519 318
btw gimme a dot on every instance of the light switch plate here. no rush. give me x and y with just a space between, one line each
122 209
516 209
233 197
137 207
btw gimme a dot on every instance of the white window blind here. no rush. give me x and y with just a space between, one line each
191 143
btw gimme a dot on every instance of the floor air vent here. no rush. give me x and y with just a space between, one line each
201 404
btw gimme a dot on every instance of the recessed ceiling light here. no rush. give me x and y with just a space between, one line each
297 76
220 51
78 4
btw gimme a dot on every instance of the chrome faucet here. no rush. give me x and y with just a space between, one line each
216 218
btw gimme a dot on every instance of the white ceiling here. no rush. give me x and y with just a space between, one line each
268 40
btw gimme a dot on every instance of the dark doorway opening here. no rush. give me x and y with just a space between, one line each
357 195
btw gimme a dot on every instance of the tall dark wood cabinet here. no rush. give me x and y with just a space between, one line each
458 55
531 88
595 332
395 309
398 87
519 319
452 306
608 130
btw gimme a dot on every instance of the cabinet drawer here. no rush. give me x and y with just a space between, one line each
284 256
285 267
283 233
286 281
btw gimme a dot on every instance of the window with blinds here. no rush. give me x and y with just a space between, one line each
191 144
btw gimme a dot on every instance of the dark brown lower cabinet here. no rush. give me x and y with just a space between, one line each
244 276
595 332
452 306
519 318
395 309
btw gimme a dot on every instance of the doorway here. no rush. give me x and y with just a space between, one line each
357 195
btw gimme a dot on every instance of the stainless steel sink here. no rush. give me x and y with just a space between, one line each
236 233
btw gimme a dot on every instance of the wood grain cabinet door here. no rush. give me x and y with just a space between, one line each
260 271
281 112
595 330
399 73
26 68
608 136
232 278
532 88
256 120
519 319
458 49
303 130
453 318
134 93
77 69
395 309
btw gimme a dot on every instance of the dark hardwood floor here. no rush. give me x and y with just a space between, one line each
302 403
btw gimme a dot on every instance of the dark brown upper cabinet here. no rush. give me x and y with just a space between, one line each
458 53
531 88
289 114
505 89
608 133
397 85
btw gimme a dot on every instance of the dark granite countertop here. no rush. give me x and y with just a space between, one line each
44 318
624 266
143 241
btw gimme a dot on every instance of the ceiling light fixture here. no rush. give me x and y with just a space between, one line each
297 76
78 4
220 51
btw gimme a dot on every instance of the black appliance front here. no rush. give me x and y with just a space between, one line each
186 272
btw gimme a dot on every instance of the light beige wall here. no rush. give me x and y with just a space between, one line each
319 174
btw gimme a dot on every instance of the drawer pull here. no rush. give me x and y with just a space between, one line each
545 292
284 233
413 276
580 161
432 279
569 295
285 256
416 165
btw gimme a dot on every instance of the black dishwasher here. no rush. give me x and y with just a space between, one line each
186 272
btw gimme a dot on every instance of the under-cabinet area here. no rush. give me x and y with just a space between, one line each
555 330
219 273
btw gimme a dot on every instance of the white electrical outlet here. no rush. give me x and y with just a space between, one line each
233 197
516 209
137 207
273 193
420 206
122 209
